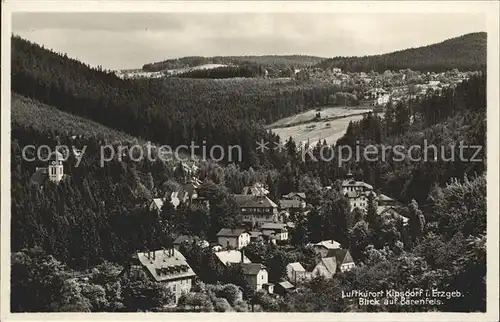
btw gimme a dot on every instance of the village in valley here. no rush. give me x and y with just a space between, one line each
264 222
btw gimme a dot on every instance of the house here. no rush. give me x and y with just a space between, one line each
257 209
255 236
326 266
230 257
188 169
356 192
156 204
233 238
383 200
291 205
167 266
392 212
54 172
189 240
378 95
284 288
257 189
300 196
269 236
255 274
216 248
188 193
343 259
280 231
295 272
269 287
324 246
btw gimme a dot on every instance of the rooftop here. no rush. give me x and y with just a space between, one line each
39 176
297 267
383 197
228 232
353 183
342 256
285 203
257 189
329 244
330 264
166 265
251 201
286 285
273 226
231 257
293 194
159 202
252 268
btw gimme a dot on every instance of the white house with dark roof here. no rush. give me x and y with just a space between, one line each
167 266
255 274
257 209
233 238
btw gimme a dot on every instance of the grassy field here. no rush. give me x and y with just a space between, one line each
313 132
302 127
326 113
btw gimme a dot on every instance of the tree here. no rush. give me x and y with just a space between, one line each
222 305
358 240
37 281
144 295
371 212
72 299
416 221
462 207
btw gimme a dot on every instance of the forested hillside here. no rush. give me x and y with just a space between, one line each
97 216
224 113
266 61
467 52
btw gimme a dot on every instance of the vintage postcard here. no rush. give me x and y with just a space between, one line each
183 160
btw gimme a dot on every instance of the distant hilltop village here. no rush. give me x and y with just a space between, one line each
372 88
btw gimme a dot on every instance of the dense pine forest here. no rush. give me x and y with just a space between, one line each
92 221
467 52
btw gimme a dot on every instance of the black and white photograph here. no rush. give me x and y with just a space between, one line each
250 161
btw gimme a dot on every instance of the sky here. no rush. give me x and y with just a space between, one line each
130 40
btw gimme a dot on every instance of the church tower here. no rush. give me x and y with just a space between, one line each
56 168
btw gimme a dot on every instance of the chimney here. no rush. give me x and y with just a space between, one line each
154 254
242 256
147 254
